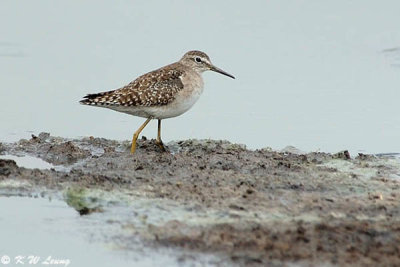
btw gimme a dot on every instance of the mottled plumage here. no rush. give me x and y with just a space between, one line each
155 88
163 93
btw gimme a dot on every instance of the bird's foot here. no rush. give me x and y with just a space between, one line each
160 144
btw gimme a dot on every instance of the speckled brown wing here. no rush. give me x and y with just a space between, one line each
155 88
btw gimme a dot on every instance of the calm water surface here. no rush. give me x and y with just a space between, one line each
315 75
37 228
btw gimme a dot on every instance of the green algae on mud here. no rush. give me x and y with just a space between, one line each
254 206
81 202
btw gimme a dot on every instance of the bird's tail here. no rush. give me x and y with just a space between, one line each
94 99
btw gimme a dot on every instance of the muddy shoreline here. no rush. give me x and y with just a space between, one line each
252 207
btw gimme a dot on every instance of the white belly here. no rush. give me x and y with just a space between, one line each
184 100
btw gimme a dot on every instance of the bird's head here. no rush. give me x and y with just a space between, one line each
200 62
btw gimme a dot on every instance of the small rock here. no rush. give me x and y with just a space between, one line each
7 166
378 196
236 207
292 150
43 136
362 156
342 155
249 191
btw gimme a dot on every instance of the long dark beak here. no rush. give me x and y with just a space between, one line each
213 68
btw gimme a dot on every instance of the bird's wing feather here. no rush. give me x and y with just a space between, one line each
155 88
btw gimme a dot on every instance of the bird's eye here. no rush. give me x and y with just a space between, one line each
197 59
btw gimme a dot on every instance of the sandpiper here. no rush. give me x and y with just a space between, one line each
160 94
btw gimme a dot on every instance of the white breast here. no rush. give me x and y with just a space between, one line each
184 100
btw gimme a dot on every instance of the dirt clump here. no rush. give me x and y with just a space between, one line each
260 207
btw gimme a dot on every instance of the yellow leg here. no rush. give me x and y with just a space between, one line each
159 141
136 135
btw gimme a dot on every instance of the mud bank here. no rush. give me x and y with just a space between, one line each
248 207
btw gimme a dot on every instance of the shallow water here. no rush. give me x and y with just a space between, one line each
315 75
29 162
53 230
45 228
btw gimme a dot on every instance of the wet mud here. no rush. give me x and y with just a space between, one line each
251 207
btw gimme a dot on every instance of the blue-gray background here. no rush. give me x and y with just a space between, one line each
319 75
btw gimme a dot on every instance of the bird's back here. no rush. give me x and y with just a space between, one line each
156 88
